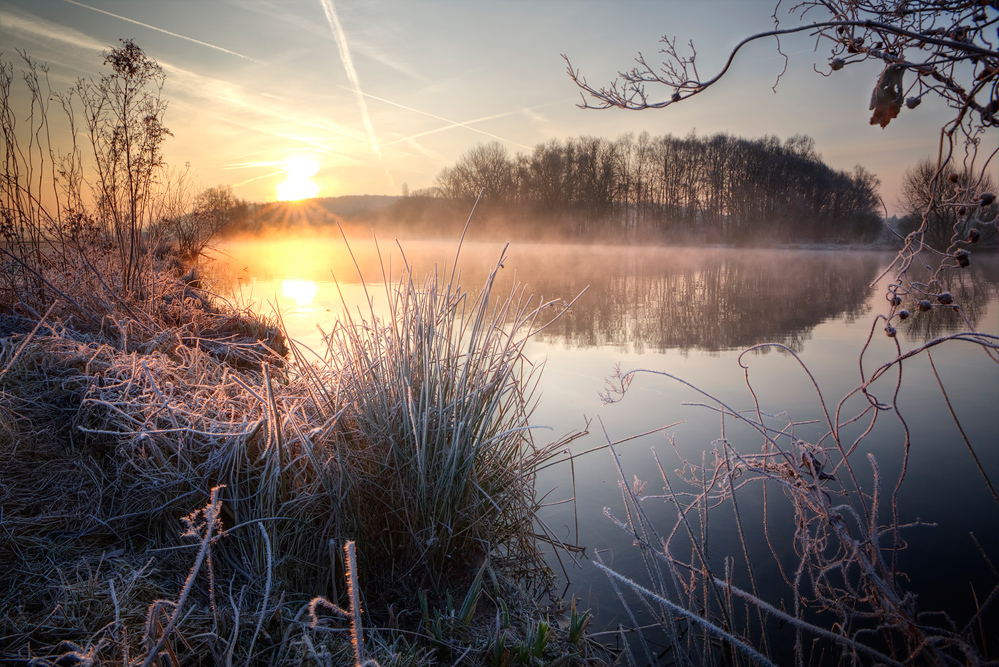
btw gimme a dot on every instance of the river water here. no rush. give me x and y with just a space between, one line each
690 312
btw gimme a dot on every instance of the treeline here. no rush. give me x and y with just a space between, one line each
711 189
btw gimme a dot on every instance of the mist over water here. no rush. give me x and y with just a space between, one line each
637 299
690 312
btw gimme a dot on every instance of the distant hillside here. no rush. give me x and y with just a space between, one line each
310 213
351 205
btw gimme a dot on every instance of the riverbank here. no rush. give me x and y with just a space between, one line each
178 484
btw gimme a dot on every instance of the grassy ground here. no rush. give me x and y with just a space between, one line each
180 487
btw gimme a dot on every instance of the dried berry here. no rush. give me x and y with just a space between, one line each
962 211
838 64
895 300
890 331
962 258
974 235
987 198
903 314
945 298
953 178
924 305
913 102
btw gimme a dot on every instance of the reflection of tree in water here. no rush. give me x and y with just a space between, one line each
709 299
657 298
972 288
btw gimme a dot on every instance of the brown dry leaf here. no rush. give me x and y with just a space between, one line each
886 100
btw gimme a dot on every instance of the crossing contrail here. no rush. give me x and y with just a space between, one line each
165 32
467 124
348 65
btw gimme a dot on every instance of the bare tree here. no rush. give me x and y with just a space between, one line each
924 196
212 212
123 114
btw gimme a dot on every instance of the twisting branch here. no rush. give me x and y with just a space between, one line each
884 30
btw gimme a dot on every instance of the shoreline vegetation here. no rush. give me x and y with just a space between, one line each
179 482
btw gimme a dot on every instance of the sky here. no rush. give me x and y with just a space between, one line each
377 96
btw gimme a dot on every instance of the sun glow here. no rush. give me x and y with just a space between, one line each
302 292
298 183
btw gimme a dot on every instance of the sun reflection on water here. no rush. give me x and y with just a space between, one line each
302 292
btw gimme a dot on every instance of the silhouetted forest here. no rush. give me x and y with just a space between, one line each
717 189
700 190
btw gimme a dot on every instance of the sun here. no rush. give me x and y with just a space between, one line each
298 183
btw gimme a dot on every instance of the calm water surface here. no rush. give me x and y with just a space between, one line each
690 312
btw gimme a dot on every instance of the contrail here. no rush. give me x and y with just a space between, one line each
467 124
165 32
348 65
257 178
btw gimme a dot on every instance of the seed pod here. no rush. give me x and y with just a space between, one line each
962 258
890 331
963 211
838 64
953 178
945 298
924 305
987 198
912 102
974 235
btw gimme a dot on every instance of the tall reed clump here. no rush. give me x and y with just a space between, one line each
436 396
411 439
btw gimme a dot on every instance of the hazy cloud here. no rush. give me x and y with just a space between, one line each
39 29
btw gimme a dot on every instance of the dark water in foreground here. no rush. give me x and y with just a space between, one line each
690 312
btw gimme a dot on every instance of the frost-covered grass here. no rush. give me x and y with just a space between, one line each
173 487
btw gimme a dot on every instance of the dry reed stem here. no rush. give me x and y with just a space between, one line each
205 528
841 556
